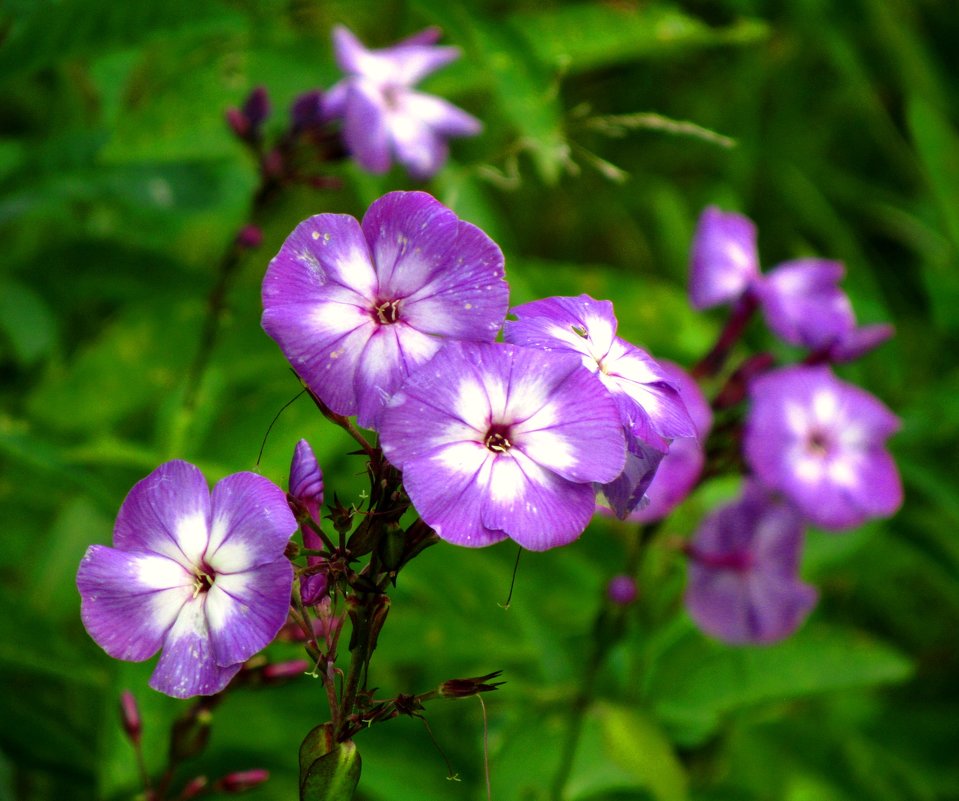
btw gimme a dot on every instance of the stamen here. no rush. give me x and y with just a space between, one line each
497 442
388 312
203 582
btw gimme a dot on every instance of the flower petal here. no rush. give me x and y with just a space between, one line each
439 115
130 600
187 667
246 610
365 129
724 261
536 507
167 513
252 523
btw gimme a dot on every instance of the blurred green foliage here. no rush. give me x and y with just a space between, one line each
120 190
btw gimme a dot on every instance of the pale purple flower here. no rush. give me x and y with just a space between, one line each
651 410
383 115
743 584
681 467
356 308
724 262
821 442
204 578
803 304
499 441
306 490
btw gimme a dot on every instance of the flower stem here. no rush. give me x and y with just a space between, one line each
712 363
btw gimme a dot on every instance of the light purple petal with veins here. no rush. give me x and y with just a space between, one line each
129 600
821 442
167 513
724 262
187 666
803 304
626 492
246 610
743 585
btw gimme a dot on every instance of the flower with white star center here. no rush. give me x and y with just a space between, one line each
203 577
356 307
499 441
651 410
821 442
743 572
383 115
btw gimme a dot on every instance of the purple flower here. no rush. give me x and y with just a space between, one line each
743 585
651 410
821 442
724 262
499 441
204 578
383 116
356 308
681 467
803 304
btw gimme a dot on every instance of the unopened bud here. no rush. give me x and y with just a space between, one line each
306 483
257 108
242 780
250 237
622 590
281 671
238 123
194 787
307 111
464 688
130 717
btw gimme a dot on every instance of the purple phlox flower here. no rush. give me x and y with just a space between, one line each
499 441
821 442
682 465
651 410
306 491
743 582
803 304
355 308
204 578
724 261
383 115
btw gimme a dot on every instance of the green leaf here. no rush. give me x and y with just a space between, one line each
699 681
585 36
334 776
27 321
46 32
622 749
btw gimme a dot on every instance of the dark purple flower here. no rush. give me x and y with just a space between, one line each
383 116
821 442
204 578
356 309
651 410
803 304
743 582
681 466
499 441
724 262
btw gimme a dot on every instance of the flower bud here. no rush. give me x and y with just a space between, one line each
622 590
194 787
242 780
257 108
464 688
130 717
306 481
250 237
307 111
280 671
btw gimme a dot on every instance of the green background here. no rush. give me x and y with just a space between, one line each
120 190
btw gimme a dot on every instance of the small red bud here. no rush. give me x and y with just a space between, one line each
130 717
194 787
250 237
242 780
286 670
238 123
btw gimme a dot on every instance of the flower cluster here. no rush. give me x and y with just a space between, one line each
394 320
813 445
374 113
